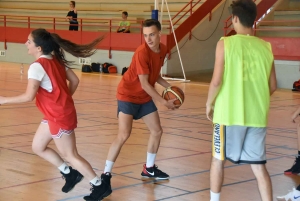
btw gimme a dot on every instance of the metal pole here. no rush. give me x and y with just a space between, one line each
162 11
154 13
175 40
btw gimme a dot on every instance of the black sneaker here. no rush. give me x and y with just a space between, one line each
73 178
295 169
154 172
101 191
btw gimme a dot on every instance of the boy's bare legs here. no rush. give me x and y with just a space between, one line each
125 127
153 123
263 181
216 178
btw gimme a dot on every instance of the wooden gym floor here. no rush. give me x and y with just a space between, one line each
185 150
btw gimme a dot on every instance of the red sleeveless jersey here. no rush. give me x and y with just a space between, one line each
58 105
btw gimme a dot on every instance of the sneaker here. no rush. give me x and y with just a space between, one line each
291 196
73 178
101 191
295 169
154 172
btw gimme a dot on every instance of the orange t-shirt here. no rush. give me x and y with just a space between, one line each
144 62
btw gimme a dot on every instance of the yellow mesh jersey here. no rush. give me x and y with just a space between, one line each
244 97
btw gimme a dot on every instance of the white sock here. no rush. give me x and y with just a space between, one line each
96 181
64 168
150 159
214 196
108 166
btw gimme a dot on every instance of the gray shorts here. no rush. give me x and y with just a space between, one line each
136 110
239 144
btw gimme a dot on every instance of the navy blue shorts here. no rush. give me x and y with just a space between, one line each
136 110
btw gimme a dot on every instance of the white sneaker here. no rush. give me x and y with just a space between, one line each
291 196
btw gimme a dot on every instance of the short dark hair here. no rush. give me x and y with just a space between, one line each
125 13
245 10
73 2
152 22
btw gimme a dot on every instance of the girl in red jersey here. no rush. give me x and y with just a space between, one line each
47 82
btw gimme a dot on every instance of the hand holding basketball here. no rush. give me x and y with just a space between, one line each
170 104
174 94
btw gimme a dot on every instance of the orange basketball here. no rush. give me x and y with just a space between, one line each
172 93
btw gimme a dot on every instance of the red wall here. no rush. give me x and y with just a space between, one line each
115 41
285 48
192 21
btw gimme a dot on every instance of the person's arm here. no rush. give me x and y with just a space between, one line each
29 95
163 82
68 17
75 15
118 28
216 82
272 80
153 93
295 114
127 28
73 81
120 24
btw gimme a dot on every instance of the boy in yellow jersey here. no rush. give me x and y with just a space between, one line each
238 101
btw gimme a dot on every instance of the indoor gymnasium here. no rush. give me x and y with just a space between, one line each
149 100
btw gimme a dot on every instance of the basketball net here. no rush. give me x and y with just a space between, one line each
179 55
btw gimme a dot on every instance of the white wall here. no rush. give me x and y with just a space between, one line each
17 53
197 55
287 72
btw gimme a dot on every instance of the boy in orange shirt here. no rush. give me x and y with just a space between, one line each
135 93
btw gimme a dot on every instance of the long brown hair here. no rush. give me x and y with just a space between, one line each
53 43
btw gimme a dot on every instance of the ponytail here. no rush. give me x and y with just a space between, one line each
53 43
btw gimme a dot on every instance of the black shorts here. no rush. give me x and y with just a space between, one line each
73 26
136 110
122 31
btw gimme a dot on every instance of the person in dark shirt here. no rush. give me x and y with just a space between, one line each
72 17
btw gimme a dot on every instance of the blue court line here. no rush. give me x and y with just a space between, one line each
23 152
17 135
16 125
206 189
167 133
179 176
86 101
207 134
280 146
289 99
114 189
190 137
13 107
283 129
